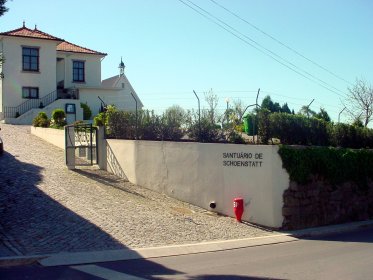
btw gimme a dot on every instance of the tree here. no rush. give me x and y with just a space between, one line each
323 115
3 9
285 108
267 103
212 100
177 114
358 123
239 108
360 100
306 111
274 107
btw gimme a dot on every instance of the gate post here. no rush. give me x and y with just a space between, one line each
70 147
101 146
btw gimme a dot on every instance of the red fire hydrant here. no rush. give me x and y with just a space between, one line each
238 208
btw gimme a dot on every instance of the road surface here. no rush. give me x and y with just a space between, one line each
339 256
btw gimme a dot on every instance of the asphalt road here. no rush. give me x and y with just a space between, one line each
340 256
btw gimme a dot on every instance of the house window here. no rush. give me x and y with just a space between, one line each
30 92
78 71
30 59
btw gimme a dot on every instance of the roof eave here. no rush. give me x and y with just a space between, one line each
28 37
100 54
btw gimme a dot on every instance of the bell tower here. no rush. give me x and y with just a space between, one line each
121 68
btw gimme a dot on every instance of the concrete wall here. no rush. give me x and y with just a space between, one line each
51 135
200 173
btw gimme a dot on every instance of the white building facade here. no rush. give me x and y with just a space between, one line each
42 72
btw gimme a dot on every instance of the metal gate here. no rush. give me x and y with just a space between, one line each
81 145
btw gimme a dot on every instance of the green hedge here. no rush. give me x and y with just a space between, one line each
335 165
122 125
344 135
300 130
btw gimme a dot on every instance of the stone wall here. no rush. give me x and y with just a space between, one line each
320 203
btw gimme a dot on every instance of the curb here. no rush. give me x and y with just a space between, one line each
332 229
167 251
21 260
177 250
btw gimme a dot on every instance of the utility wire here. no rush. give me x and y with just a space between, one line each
282 44
211 18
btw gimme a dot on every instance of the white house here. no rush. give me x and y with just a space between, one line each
42 72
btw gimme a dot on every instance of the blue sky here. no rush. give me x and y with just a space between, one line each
169 49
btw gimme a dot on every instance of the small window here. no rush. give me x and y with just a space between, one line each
30 59
78 71
70 108
30 92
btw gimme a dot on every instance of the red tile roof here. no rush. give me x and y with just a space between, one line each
69 47
29 33
37 34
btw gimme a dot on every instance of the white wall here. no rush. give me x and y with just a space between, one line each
15 78
196 173
90 97
51 135
92 69
122 83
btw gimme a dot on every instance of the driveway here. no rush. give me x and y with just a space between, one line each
46 208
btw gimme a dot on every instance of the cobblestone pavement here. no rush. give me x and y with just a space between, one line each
45 208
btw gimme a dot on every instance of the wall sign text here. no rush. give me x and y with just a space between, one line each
242 159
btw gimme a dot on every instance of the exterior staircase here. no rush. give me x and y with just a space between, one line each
22 113
15 112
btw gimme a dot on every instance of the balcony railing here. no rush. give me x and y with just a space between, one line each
15 112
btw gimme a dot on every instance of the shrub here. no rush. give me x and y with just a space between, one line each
335 165
41 120
264 126
297 129
149 125
87 113
99 120
58 118
205 131
172 122
235 138
344 135
170 127
252 122
121 125
300 130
